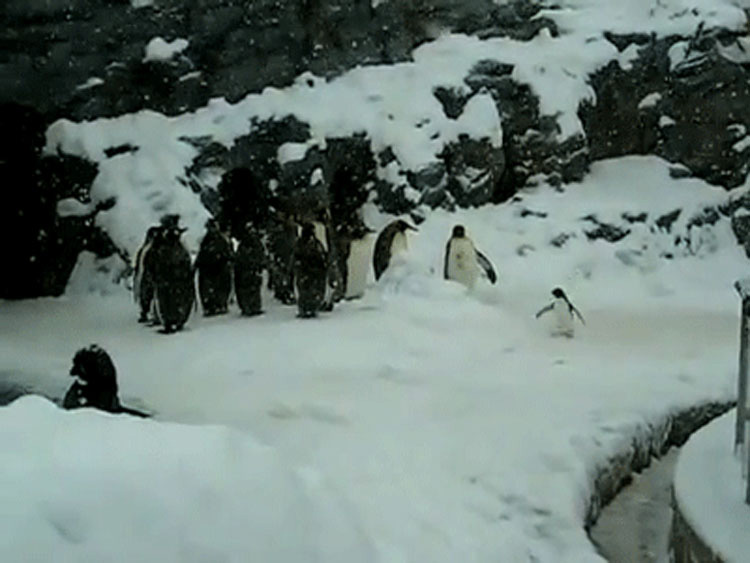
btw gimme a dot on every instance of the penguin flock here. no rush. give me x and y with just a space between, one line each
308 264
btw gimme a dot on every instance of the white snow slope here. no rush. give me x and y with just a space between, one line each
422 423
443 425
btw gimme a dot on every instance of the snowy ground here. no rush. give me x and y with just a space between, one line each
441 425
710 490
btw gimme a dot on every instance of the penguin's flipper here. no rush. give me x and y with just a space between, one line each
486 265
578 313
544 310
445 260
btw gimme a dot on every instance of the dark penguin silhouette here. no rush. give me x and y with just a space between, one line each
249 262
310 270
281 233
175 291
463 261
96 383
390 241
563 311
214 267
143 279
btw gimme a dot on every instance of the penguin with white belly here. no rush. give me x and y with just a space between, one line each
564 312
390 242
463 262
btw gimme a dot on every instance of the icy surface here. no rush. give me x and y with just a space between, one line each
635 525
448 421
710 490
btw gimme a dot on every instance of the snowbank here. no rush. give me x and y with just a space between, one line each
710 491
87 486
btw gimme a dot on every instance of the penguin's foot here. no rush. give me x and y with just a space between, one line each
251 313
327 307
307 315
143 319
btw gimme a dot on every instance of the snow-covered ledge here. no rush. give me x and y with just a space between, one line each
711 518
673 430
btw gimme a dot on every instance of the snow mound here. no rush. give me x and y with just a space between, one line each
710 490
88 486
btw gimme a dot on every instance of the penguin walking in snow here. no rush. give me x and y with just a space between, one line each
175 290
564 312
249 263
310 270
390 242
463 262
96 383
143 279
214 267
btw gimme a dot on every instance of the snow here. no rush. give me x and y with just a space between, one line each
650 100
445 423
710 490
87 486
160 50
742 144
90 83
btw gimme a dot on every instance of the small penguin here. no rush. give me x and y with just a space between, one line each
564 311
390 242
250 261
310 270
143 278
175 290
463 261
214 267
96 383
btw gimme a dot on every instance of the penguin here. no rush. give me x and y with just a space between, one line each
463 262
354 251
310 270
324 232
214 267
564 312
281 234
175 290
250 261
143 278
96 383
390 242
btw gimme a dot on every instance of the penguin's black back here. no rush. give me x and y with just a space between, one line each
381 256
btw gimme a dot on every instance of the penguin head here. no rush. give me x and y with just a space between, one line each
93 365
459 231
404 226
152 233
559 293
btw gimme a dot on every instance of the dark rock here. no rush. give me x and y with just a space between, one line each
610 233
639 218
474 168
665 221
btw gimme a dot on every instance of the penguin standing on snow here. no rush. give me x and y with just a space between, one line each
463 262
310 271
175 291
214 267
249 262
143 279
354 244
390 242
564 312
